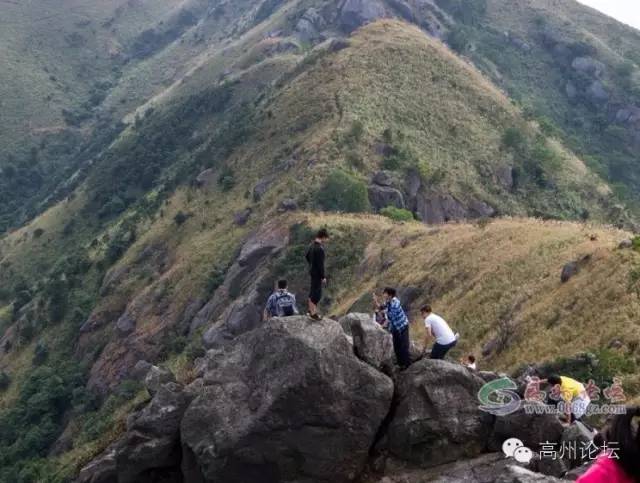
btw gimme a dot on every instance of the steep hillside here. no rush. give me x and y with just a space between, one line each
162 215
572 68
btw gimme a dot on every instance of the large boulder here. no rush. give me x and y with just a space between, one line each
149 451
441 208
152 441
482 469
355 13
527 426
101 469
589 65
288 401
437 419
155 377
371 342
382 196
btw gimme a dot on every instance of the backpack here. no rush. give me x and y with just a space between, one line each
285 305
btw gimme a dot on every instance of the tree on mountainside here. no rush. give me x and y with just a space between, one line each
343 192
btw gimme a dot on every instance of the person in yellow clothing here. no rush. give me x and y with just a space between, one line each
572 393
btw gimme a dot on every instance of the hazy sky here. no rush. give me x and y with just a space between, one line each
627 11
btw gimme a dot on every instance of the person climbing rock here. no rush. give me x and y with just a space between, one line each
397 323
469 362
281 303
571 393
437 328
315 258
623 466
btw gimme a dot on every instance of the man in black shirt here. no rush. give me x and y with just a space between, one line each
315 259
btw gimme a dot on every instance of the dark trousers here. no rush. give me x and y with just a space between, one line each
439 350
401 347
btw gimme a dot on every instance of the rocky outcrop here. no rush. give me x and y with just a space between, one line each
156 377
589 66
296 400
150 447
236 305
371 343
355 13
436 419
442 208
152 441
531 429
382 196
280 405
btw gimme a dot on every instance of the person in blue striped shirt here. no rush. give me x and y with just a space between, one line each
397 324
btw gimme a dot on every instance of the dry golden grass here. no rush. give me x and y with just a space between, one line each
508 270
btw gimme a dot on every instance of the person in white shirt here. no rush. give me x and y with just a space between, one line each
437 328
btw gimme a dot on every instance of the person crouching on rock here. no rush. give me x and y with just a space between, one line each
571 393
315 258
621 465
437 328
281 303
397 323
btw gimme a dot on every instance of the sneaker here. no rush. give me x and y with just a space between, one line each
315 317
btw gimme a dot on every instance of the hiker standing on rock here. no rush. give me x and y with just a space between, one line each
437 328
315 258
281 303
397 323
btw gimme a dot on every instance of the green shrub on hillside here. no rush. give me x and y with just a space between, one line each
514 138
227 179
343 192
397 214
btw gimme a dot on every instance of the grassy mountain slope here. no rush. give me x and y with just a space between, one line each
530 48
149 228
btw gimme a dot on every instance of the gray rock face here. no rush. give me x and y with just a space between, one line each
437 419
310 24
205 178
261 187
140 370
355 13
279 405
625 244
152 440
597 92
571 90
240 218
436 209
156 377
531 429
628 115
288 204
371 343
382 196
383 178
504 174
245 276
150 446
589 66
125 325
403 9
482 469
